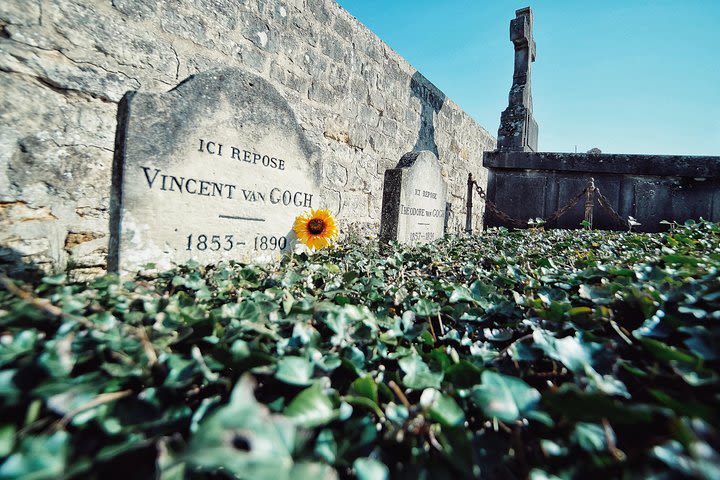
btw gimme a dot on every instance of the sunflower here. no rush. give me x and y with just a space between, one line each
316 229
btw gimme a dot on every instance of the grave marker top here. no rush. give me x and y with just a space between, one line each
518 129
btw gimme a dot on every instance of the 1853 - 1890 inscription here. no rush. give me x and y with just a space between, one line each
216 169
414 199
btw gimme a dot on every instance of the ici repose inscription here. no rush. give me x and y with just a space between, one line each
187 185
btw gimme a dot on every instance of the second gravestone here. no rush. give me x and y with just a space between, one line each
216 169
414 200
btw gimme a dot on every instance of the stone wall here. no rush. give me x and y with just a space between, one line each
64 65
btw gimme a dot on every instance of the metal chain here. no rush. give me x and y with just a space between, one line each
605 204
513 222
507 219
479 190
517 223
564 209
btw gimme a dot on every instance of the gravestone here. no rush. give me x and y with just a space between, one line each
215 169
414 200
518 130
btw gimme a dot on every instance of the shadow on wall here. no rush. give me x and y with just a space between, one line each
431 101
14 265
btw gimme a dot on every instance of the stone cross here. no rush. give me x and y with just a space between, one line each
518 129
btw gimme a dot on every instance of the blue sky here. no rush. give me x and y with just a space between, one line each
626 76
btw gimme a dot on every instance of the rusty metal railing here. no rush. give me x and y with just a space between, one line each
591 193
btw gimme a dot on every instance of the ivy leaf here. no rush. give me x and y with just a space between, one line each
463 374
426 308
680 259
572 403
244 439
315 471
591 437
665 352
39 458
705 346
503 397
295 370
22 343
538 474
418 374
577 357
521 350
442 408
311 408
7 439
365 387
567 350
369 469
498 334
326 446
461 293
57 279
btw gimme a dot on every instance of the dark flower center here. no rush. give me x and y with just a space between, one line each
316 226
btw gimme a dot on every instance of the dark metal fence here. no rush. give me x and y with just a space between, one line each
591 194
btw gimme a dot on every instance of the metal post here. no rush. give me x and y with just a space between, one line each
469 205
589 203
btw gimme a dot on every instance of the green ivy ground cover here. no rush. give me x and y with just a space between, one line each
542 355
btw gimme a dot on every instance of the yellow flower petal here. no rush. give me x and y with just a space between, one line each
316 229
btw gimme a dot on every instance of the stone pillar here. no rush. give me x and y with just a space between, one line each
518 129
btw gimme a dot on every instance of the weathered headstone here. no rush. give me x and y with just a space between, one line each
414 200
518 129
215 169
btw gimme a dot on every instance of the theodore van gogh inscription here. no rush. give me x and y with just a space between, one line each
414 195
420 212
208 188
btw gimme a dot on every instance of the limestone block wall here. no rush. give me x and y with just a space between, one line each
65 64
